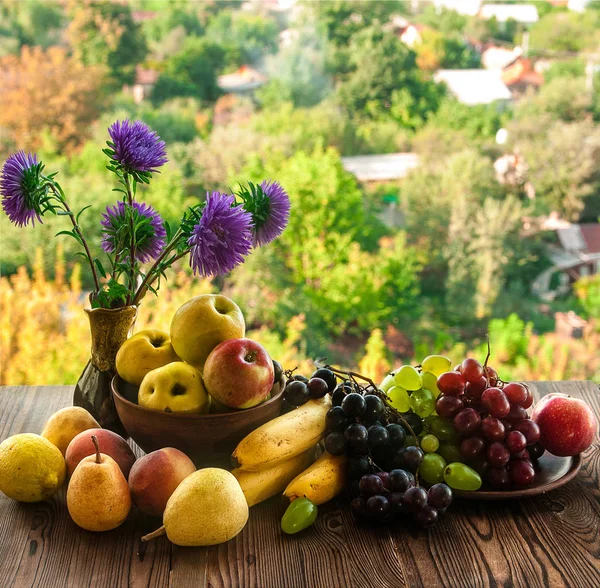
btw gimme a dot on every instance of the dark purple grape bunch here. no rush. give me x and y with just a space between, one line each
499 440
300 389
383 496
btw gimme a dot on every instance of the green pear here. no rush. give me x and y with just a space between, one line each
207 508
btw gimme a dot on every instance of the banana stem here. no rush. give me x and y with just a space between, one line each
158 533
95 442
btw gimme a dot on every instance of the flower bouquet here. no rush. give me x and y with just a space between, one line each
139 246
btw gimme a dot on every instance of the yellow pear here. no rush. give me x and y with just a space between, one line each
202 323
98 497
175 387
67 423
207 508
142 353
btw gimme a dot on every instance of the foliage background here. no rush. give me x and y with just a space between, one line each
339 283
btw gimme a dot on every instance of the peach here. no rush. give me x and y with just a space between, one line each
154 477
110 444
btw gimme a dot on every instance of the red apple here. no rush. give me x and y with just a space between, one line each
238 373
567 425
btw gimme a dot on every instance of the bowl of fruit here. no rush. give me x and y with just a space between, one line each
200 388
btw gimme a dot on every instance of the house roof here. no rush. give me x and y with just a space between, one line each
142 15
474 86
521 72
380 168
583 238
145 77
591 236
245 78
499 57
524 13
468 7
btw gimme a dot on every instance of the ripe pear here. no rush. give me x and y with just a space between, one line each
98 496
207 508
67 423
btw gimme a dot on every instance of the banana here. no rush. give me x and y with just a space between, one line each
323 480
258 486
284 437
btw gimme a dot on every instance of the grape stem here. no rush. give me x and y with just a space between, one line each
380 393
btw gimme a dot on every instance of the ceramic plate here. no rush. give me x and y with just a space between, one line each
551 472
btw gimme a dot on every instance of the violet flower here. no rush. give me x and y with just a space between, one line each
277 216
19 184
222 237
150 236
136 147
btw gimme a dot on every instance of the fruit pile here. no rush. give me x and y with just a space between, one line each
104 481
428 430
204 364
401 448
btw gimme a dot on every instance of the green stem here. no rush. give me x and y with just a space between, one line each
130 295
152 274
57 190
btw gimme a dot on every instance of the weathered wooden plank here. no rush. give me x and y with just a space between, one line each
549 540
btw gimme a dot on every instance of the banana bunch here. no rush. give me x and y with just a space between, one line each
258 486
322 481
278 456
283 438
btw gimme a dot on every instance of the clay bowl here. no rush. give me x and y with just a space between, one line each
208 439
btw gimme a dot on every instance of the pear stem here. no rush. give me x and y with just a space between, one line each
95 442
160 531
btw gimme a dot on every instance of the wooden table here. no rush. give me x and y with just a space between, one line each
550 540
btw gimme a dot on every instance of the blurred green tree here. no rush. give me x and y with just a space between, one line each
191 72
247 38
104 33
384 80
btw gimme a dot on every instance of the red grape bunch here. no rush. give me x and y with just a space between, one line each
498 439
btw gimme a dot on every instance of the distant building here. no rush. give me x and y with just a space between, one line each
499 57
521 75
412 34
243 81
143 84
466 7
475 86
526 14
380 168
574 254
143 15
569 325
578 5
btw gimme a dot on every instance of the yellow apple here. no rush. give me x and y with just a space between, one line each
202 323
142 353
175 387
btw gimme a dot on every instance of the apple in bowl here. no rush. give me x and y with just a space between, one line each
239 373
142 353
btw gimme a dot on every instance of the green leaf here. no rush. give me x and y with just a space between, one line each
100 267
62 213
70 233
79 213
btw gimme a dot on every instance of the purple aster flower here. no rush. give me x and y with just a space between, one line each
277 214
137 148
18 185
150 236
222 236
